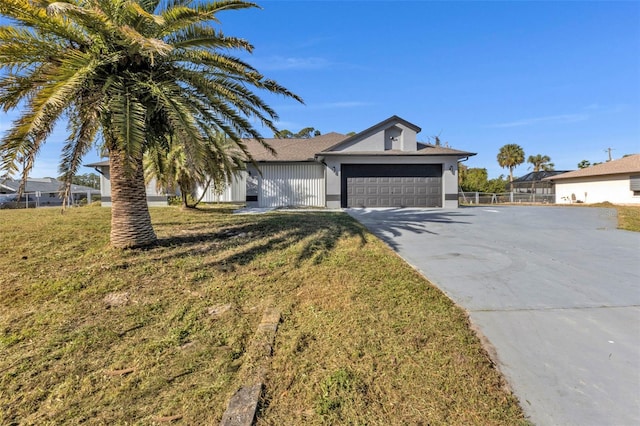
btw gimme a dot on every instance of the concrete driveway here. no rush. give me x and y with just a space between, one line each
555 290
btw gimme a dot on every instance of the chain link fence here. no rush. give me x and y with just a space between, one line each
505 198
37 199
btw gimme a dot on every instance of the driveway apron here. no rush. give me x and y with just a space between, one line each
555 290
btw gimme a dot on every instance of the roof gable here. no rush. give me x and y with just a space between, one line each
394 132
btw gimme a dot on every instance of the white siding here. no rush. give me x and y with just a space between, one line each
235 192
155 198
292 184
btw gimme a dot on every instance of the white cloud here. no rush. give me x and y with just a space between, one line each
291 63
559 119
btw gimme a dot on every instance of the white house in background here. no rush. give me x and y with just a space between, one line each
616 181
45 191
155 198
382 166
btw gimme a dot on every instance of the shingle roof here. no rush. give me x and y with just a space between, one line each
630 164
293 149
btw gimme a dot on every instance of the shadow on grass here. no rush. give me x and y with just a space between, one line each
248 237
389 223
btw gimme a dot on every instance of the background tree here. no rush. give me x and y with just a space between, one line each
497 185
472 179
510 156
584 164
306 133
132 72
540 162
476 180
91 180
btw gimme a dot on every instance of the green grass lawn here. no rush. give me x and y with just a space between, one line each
629 218
91 334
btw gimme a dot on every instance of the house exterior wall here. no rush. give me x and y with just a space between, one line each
596 189
289 184
449 174
234 192
154 198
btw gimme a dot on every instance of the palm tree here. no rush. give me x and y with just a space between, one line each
539 162
216 161
510 156
129 73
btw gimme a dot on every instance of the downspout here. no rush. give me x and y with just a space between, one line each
458 178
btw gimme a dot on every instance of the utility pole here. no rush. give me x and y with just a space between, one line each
609 151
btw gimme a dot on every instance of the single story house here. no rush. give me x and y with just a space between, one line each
155 197
382 166
537 182
41 192
616 181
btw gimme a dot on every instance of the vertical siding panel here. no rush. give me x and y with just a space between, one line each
235 191
292 184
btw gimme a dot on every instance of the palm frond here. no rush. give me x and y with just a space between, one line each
84 125
204 37
31 15
127 120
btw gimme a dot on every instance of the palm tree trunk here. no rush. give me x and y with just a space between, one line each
204 192
510 179
130 219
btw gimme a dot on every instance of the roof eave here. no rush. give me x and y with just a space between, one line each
397 154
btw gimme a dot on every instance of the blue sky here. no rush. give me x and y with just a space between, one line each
558 78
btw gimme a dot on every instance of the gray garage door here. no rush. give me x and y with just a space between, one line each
387 185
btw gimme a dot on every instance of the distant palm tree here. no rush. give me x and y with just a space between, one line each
130 73
510 156
539 162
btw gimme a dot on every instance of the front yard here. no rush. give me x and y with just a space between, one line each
91 334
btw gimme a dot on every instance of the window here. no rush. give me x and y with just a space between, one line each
634 184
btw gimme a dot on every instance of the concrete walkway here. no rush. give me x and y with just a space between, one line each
556 290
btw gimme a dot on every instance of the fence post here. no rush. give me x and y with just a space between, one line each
477 198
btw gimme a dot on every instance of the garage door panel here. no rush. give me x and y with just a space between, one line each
401 190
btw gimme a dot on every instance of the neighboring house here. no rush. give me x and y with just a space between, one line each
46 191
616 181
535 182
382 166
155 198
